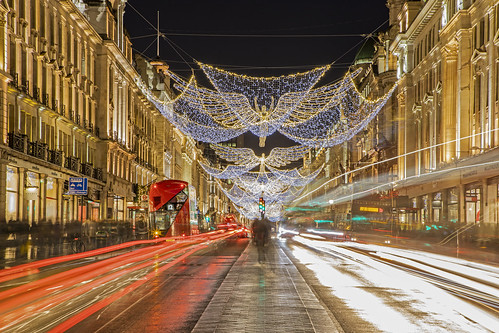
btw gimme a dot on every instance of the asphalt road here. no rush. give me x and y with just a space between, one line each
174 300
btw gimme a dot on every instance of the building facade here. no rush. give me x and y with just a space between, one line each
431 154
71 107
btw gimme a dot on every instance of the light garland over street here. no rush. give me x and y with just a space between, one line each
315 117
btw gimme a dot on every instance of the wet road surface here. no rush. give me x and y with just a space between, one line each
174 300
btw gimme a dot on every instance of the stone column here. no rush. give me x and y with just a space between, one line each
42 211
462 205
3 188
60 200
463 106
402 161
21 205
449 81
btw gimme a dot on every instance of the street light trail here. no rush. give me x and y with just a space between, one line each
393 158
108 279
439 292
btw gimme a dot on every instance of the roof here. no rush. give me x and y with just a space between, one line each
366 52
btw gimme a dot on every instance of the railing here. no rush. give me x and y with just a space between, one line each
18 142
25 86
55 157
456 232
72 163
15 80
55 105
38 150
98 173
87 169
46 99
36 94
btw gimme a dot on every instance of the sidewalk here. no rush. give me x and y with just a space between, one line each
268 297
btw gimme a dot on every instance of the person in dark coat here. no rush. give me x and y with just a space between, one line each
261 235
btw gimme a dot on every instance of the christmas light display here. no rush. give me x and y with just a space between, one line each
229 172
315 117
278 157
339 120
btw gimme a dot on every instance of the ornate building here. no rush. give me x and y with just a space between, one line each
71 107
435 144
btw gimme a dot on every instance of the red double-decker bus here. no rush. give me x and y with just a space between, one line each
172 209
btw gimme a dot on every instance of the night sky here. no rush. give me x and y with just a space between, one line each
187 24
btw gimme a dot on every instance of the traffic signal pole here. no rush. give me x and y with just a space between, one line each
261 206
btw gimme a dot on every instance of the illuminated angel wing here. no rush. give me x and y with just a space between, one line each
321 99
239 156
229 172
224 109
280 157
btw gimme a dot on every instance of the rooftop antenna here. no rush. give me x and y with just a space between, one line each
160 65
157 39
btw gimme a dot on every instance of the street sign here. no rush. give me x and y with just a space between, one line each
78 186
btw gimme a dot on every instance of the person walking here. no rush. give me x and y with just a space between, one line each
261 235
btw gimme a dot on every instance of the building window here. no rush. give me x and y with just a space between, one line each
12 187
453 205
51 199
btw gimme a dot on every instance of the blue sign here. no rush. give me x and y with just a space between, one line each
78 185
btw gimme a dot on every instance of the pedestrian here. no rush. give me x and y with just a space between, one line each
261 235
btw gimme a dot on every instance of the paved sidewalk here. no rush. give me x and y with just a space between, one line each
268 297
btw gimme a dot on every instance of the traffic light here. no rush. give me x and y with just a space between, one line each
261 205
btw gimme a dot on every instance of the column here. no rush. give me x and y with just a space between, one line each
463 93
42 211
60 200
449 81
3 190
462 204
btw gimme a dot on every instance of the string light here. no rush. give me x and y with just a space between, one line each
314 117
278 156
320 117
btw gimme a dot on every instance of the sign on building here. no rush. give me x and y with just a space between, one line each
78 186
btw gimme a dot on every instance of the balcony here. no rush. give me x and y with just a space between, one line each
55 157
38 150
72 163
87 169
55 105
36 94
46 100
25 87
18 142
15 80
98 173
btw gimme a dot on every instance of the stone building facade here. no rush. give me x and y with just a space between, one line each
434 146
71 107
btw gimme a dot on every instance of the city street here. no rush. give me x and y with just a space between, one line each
193 284
249 166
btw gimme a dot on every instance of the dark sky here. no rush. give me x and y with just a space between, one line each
256 55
